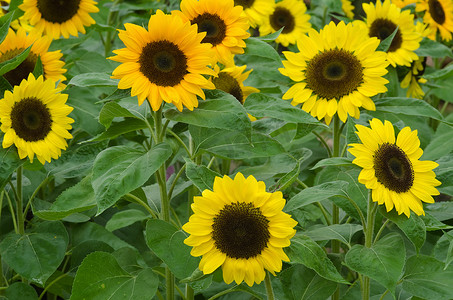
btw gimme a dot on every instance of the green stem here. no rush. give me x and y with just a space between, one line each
43 183
189 292
19 211
113 14
2 278
173 184
378 235
50 284
133 198
324 143
371 214
180 141
268 284
224 292
13 214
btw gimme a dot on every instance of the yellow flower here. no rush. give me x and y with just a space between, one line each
16 24
403 3
35 118
256 10
15 43
240 227
348 8
165 62
290 14
382 20
59 18
439 16
337 71
225 25
392 169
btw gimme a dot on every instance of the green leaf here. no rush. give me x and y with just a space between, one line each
304 250
22 291
65 205
4 85
120 128
220 110
81 251
91 231
261 105
257 47
12 63
333 161
316 193
113 110
432 48
229 144
310 286
408 106
167 242
442 73
125 218
38 70
443 250
340 232
413 227
36 255
5 21
120 170
425 278
270 37
439 146
432 224
93 79
385 44
382 262
100 277
286 180
202 177
9 162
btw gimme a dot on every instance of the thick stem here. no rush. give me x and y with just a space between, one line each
20 209
268 284
371 214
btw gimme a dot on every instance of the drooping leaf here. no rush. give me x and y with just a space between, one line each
101 277
120 170
113 110
382 262
93 79
305 251
408 106
125 218
120 128
333 161
167 242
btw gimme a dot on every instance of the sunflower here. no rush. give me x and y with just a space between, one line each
413 79
225 25
165 62
337 71
231 81
392 169
290 14
381 22
15 43
439 16
16 24
59 17
347 8
35 118
240 227
256 10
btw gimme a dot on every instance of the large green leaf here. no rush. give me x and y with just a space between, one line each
425 278
407 106
257 47
261 105
340 232
382 262
22 291
316 193
100 277
113 110
120 170
93 79
413 227
5 21
220 110
202 177
119 128
304 250
36 255
125 218
443 250
432 48
90 231
167 242
65 205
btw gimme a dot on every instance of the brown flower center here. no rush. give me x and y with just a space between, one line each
214 27
244 3
437 11
383 28
58 11
22 71
282 17
229 84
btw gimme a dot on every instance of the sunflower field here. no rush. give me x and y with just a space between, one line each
226 149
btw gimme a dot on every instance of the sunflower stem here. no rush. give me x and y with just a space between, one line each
369 229
3 280
13 214
268 284
113 15
20 210
189 292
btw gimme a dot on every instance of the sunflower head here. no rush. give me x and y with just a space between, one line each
223 23
240 227
382 20
35 119
391 167
256 10
439 16
348 8
17 42
59 17
292 16
165 62
337 71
